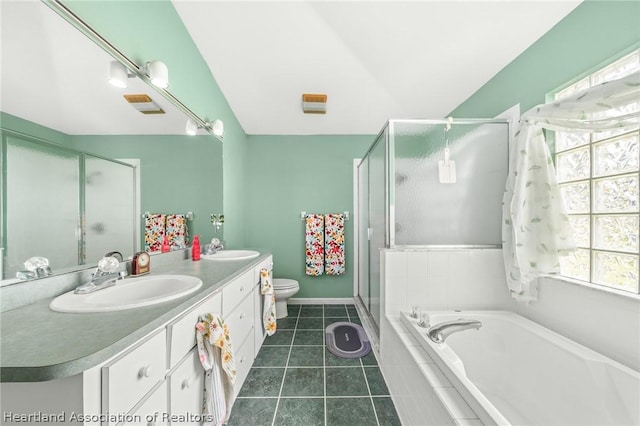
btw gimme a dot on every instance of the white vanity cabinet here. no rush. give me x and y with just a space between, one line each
161 373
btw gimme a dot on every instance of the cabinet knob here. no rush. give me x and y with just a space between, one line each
242 315
186 383
144 372
242 360
242 288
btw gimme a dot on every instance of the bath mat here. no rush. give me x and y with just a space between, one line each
347 340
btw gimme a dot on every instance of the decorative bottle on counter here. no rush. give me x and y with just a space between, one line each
165 245
195 248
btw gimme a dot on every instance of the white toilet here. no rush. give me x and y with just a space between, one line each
283 288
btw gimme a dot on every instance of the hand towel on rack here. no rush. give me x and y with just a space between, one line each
176 230
153 232
334 244
314 244
216 356
269 308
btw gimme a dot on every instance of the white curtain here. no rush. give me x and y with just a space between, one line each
536 230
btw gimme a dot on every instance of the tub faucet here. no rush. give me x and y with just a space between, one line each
439 332
105 276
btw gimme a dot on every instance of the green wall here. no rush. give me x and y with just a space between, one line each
289 174
153 30
594 33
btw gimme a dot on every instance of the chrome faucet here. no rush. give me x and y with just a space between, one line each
214 247
439 332
105 276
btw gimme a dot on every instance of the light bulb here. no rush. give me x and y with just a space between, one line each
118 75
158 74
191 128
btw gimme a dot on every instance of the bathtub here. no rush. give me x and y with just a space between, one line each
513 371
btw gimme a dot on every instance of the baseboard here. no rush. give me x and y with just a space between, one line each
321 301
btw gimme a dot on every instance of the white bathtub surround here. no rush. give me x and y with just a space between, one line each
422 394
513 371
444 279
605 322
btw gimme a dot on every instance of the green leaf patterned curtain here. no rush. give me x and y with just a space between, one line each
535 229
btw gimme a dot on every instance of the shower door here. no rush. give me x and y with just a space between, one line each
372 189
363 232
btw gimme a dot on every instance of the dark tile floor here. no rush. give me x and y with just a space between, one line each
296 381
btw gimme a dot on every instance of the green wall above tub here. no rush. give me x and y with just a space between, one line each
289 174
595 32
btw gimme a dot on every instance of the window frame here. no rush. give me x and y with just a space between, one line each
593 213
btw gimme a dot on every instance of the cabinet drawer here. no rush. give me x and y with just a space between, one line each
267 264
153 409
244 361
240 321
182 335
186 387
128 378
237 290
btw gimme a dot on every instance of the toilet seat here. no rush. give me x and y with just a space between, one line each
284 283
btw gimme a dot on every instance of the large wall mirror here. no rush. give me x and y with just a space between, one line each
80 163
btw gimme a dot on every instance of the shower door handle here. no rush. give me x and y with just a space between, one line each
369 233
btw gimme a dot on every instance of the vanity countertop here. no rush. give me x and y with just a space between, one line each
39 344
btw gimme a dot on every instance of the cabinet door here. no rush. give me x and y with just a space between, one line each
186 388
153 411
126 380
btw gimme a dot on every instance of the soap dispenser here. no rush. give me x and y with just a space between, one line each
195 248
165 245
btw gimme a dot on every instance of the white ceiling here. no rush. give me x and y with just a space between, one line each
375 60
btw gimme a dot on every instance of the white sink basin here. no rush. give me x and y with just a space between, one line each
128 293
231 255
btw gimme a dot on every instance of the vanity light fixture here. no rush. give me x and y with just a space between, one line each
191 128
118 74
158 74
217 127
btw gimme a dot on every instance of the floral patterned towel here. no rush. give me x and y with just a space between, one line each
153 232
314 244
334 244
216 357
269 309
177 231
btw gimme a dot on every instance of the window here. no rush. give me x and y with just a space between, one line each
598 176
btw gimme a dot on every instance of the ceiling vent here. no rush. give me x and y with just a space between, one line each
144 104
314 103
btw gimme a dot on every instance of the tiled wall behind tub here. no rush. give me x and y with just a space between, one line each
444 279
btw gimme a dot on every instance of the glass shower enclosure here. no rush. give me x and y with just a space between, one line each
410 197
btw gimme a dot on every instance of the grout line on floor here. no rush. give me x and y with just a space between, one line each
284 376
